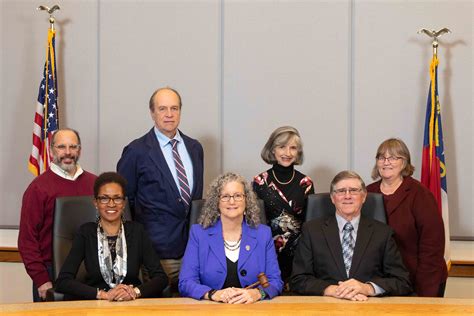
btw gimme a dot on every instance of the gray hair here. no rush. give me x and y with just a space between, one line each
344 175
280 137
210 212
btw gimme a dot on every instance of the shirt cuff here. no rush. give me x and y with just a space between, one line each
377 289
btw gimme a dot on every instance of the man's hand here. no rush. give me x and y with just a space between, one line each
43 289
350 290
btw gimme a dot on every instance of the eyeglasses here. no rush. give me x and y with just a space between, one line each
106 200
343 191
390 159
237 197
74 147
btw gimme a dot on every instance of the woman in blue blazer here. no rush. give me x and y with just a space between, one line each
225 253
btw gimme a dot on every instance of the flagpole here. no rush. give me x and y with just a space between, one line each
50 11
40 156
433 168
434 35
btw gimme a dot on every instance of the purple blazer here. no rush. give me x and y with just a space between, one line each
204 264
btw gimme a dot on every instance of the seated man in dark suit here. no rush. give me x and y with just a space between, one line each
348 256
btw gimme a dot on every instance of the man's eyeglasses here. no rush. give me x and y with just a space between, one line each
343 191
237 197
390 159
106 200
74 147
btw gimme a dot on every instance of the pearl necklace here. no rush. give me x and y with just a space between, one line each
283 183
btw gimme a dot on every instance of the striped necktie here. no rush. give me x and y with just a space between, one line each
181 172
347 246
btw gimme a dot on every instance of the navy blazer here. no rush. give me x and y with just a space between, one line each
204 263
152 193
318 260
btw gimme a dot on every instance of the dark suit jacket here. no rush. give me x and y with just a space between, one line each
318 260
413 214
153 195
84 248
204 263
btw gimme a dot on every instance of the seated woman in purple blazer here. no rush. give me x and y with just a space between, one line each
225 253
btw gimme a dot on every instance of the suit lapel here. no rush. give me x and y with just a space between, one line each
331 233
247 245
216 243
156 155
364 233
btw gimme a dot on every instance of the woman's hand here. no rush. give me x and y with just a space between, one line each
244 296
223 295
119 293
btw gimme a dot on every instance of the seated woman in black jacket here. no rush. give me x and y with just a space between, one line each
112 250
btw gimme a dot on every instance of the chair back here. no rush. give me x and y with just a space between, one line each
320 205
197 205
69 214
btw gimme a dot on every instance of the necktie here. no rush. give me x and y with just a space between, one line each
347 246
182 178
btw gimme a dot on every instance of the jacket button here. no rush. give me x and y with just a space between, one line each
243 272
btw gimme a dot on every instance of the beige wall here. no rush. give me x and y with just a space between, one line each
347 74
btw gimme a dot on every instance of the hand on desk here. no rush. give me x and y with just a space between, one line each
350 290
121 292
233 295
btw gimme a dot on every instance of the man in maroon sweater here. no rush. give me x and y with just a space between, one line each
64 178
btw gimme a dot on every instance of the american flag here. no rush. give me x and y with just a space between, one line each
46 116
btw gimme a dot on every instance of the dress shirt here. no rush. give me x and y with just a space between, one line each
341 221
167 150
64 174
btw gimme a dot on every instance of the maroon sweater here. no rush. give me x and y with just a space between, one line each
412 212
36 222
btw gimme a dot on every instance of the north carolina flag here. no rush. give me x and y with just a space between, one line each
433 168
46 116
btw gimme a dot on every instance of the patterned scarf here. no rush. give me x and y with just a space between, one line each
112 270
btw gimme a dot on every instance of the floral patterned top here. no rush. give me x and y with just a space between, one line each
284 191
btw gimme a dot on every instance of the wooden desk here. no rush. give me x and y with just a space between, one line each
285 305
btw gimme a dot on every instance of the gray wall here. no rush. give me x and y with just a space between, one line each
347 74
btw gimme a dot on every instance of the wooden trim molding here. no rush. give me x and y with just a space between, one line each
9 254
462 268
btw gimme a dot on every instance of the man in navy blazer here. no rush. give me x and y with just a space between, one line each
155 180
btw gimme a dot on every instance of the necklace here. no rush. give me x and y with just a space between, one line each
232 246
283 183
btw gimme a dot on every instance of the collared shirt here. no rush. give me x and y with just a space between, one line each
167 150
341 221
64 174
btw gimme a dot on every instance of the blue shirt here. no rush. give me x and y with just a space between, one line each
341 221
167 150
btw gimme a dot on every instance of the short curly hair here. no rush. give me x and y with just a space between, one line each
109 177
280 137
210 212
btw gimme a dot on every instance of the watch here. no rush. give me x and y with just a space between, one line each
210 294
137 291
